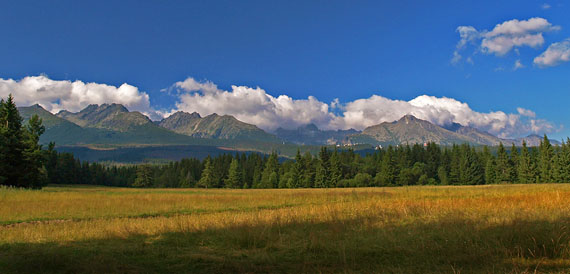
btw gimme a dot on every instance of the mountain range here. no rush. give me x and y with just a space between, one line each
113 124
215 126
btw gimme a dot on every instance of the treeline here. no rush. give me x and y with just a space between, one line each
394 166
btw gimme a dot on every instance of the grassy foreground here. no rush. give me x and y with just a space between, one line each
479 229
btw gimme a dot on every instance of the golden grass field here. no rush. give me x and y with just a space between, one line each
443 229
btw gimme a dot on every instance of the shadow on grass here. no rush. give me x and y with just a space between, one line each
450 246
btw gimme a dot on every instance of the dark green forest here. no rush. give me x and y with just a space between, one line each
24 163
394 166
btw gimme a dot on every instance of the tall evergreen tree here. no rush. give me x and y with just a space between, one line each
525 168
34 173
144 176
503 165
387 174
545 160
269 177
234 175
12 146
207 180
490 171
296 172
514 162
335 169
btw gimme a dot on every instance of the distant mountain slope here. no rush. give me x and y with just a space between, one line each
311 135
106 124
480 137
532 140
57 129
114 117
215 126
409 129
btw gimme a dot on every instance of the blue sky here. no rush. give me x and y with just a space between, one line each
327 49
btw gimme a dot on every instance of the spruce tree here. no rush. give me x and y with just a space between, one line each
490 171
34 173
269 177
545 160
144 176
514 162
525 173
12 144
335 169
503 165
296 172
207 179
234 175
387 174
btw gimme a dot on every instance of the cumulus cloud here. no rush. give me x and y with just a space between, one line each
56 95
441 111
506 36
256 106
252 105
556 54
515 33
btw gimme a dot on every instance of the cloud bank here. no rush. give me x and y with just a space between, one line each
256 106
56 95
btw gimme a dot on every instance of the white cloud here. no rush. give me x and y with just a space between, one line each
506 36
440 111
518 65
190 84
515 33
56 95
254 105
556 54
526 112
468 34
545 6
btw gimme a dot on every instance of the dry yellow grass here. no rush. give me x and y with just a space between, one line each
499 228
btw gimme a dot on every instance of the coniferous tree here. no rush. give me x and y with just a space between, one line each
309 172
207 180
545 161
565 161
295 179
144 176
514 162
12 145
491 171
335 169
269 177
387 174
234 175
525 168
503 165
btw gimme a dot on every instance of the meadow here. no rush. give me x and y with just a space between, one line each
421 229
